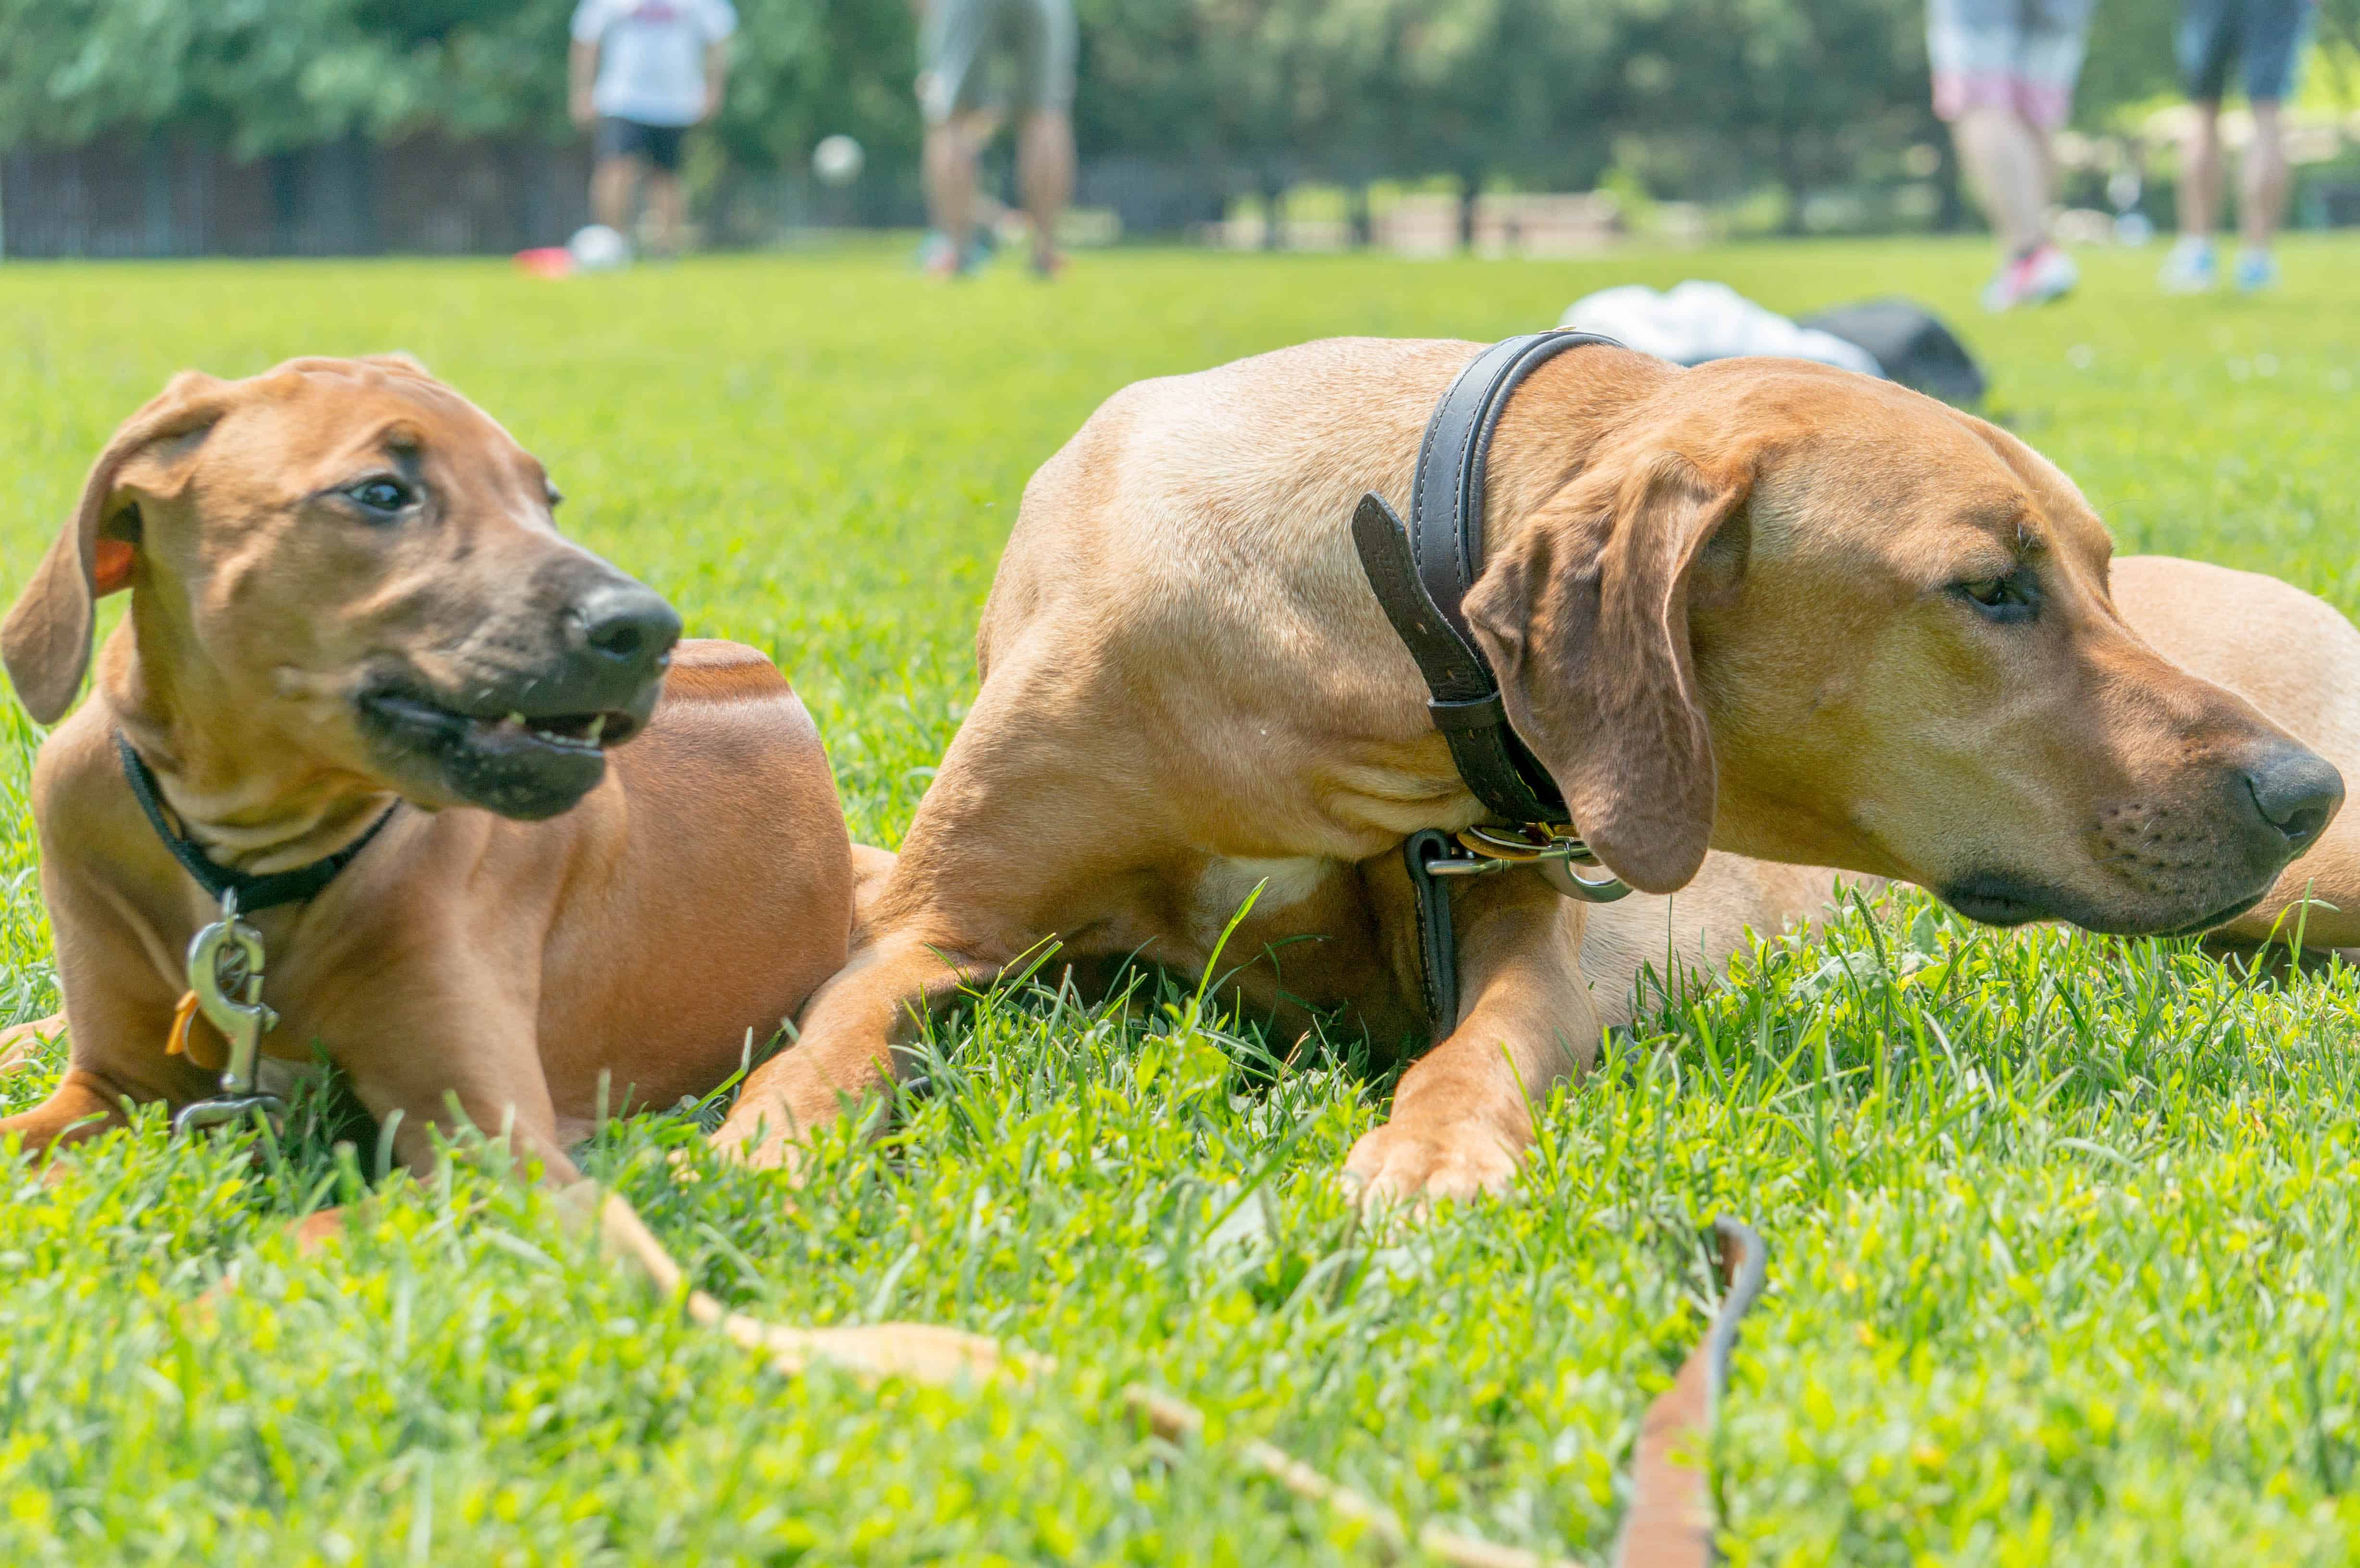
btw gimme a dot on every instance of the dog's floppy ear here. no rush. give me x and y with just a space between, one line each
1585 618
45 641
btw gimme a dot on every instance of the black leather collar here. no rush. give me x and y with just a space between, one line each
254 893
1422 574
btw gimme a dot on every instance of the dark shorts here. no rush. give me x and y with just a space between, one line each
659 145
2264 36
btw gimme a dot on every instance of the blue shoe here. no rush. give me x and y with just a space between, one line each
2190 268
2256 270
936 260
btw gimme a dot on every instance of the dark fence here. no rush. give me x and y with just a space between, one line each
175 196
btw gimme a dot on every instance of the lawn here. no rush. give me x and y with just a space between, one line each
2064 1234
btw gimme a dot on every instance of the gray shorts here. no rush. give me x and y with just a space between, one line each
2019 55
960 43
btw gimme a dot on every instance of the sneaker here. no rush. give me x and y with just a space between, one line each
2190 268
2039 275
2256 270
937 259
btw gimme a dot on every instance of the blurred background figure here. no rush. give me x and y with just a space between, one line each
2267 37
979 58
642 71
2004 73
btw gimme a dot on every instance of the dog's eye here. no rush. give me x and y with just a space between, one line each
2008 598
384 495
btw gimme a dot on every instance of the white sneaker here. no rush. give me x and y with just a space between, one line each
2190 268
2036 277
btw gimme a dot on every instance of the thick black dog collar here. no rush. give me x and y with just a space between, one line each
255 894
1421 575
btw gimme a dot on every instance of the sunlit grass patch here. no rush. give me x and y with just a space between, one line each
2062 1239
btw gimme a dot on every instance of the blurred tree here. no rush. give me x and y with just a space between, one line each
1699 97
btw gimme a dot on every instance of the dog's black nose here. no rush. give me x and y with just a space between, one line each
625 623
2297 791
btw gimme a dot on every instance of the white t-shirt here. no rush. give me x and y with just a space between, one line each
651 55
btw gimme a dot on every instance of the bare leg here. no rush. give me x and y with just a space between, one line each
2200 173
2007 161
1045 169
668 201
611 187
950 155
2264 193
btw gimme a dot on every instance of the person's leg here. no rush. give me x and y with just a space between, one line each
2262 202
612 184
1045 173
2199 172
2203 43
2188 268
2006 163
951 151
958 122
1046 44
667 197
2275 32
668 204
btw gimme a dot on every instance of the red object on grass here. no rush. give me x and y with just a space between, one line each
546 261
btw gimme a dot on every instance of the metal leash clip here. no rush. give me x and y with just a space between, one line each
226 974
1553 851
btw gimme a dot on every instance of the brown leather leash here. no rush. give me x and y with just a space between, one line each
1669 1522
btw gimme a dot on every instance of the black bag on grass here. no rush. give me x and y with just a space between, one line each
1912 344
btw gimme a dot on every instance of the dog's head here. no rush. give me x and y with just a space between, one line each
1804 615
348 555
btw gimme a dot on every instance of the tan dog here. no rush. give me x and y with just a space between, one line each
2290 655
346 591
1772 607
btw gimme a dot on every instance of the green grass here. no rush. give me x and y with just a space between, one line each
2065 1247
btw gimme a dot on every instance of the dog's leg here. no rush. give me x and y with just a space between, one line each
845 1041
484 1074
1461 1116
19 1043
83 1107
872 868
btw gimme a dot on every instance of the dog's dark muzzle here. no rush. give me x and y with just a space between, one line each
532 744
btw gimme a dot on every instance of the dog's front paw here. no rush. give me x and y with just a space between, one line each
1402 1162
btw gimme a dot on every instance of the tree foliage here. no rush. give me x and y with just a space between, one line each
1709 97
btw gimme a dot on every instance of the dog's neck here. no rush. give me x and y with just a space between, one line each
1551 431
243 791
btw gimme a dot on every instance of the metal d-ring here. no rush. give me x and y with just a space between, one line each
1553 851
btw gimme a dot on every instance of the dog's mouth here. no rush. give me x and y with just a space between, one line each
577 733
521 765
1996 899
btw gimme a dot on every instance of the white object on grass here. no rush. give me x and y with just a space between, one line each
1695 322
838 159
597 248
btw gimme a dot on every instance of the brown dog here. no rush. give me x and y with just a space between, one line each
2290 655
346 592
1772 607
